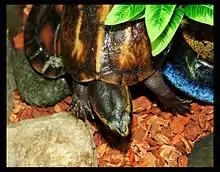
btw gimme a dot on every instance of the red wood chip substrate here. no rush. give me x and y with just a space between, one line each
158 139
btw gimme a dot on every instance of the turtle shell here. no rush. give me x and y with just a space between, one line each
200 38
119 54
41 40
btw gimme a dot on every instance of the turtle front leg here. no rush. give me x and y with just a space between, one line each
80 101
157 85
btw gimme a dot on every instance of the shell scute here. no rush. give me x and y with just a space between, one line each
41 40
115 54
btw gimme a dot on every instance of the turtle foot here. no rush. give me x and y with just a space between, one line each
81 107
157 85
179 105
80 104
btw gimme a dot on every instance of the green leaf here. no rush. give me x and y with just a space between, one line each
164 39
200 13
123 13
141 15
156 19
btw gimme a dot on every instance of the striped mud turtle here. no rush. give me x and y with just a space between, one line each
104 60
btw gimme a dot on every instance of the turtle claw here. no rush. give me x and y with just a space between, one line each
183 107
178 105
80 101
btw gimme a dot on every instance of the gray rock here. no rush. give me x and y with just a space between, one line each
10 78
202 154
14 21
33 88
59 140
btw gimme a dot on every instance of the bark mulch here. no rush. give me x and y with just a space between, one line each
157 139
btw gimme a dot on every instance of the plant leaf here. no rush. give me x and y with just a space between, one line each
156 19
164 39
123 13
200 13
141 15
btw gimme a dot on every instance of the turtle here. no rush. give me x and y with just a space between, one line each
189 74
190 64
41 41
38 66
104 61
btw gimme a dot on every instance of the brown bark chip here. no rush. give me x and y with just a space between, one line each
140 104
183 161
192 130
179 123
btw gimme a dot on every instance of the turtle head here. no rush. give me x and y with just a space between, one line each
112 104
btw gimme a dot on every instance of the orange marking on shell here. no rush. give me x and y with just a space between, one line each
134 53
80 6
127 59
84 77
58 47
103 12
99 50
47 36
37 66
59 8
19 41
79 46
26 12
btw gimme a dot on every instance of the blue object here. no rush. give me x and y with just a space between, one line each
188 73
